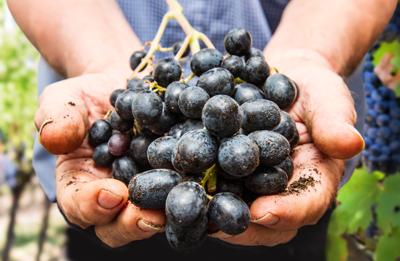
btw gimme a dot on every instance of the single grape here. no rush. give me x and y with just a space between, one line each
150 189
238 42
267 181
177 46
123 105
229 213
238 156
147 107
124 169
222 116
181 128
194 152
114 95
99 132
167 71
245 92
136 59
217 81
137 85
287 128
287 166
260 115
234 64
159 152
172 96
164 122
255 71
186 204
186 239
138 149
230 185
117 123
255 52
274 148
204 60
118 144
191 101
102 156
281 90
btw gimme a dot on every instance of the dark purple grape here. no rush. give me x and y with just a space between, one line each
267 181
222 116
255 52
123 105
274 147
204 60
138 149
177 46
164 122
114 95
118 144
229 213
287 166
194 152
124 169
191 101
181 128
159 152
147 107
167 71
230 185
238 42
245 92
281 90
102 156
172 96
255 71
287 128
217 81
99 132
238 156
150 189
234 64
137 85
136 59
260 115
186 204
117 123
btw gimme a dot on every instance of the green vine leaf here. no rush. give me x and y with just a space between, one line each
388 47
388 208
388 247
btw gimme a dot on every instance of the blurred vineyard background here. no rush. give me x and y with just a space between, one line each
30 227
364 226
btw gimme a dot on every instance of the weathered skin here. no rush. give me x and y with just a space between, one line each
267 181
274 147
222 116
229 213
194 152
260 115
160 151
239 156
217 81
150 189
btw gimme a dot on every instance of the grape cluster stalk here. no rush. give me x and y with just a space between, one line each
201 150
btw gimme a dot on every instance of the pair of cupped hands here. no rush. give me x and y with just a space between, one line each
88 196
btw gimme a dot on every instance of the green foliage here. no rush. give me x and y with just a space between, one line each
364 195
17 86
389 47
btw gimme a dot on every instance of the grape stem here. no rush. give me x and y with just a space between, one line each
209 174
193 36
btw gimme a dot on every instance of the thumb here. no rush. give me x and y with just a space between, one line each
331 117
61 118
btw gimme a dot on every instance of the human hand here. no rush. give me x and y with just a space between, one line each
86 194
324 113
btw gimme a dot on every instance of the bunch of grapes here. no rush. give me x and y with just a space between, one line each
201 151
382 124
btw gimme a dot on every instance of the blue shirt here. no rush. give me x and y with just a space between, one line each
212 17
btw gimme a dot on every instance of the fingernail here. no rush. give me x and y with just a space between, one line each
356 132
147 226
268 219
108 199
